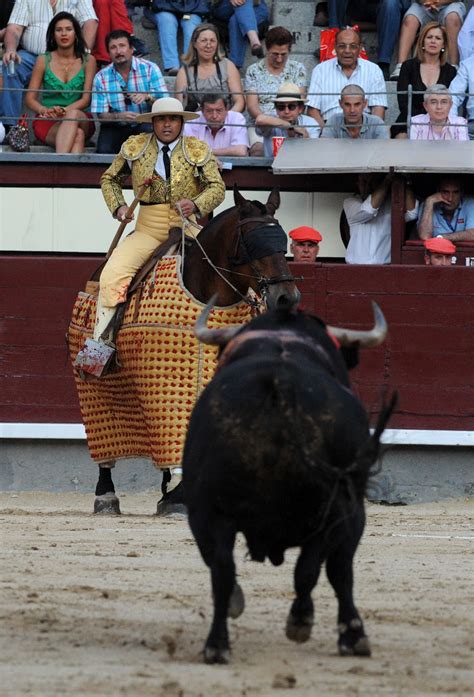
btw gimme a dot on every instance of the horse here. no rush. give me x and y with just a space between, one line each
142 410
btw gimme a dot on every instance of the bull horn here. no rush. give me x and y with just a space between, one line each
214 337
374 337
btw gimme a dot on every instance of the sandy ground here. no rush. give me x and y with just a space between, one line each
95 605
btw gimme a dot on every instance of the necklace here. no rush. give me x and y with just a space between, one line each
66 67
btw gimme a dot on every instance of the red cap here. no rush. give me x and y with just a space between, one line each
439 245
305 234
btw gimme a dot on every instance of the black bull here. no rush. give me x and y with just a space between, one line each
279 449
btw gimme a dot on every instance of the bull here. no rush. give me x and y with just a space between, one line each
279 449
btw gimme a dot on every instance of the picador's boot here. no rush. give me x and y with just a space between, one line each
172 489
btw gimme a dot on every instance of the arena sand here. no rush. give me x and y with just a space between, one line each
99 606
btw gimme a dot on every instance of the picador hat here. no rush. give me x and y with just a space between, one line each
167 106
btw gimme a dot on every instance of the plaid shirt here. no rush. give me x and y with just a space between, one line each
110 89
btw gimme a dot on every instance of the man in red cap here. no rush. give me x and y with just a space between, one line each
439 251
305 244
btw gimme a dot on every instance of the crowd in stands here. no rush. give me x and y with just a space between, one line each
76 65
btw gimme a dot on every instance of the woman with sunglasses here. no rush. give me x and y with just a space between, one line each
65 72
289 121
205 70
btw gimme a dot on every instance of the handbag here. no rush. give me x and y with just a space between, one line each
18 137
327 48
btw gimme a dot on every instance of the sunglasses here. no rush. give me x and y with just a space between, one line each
291 106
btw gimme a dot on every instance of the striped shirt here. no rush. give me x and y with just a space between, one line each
328 79
455 129
35 16
110 89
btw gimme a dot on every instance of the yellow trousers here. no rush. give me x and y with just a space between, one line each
152 228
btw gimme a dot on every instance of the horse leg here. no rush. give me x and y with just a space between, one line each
105 499
300 617
172 489
352 638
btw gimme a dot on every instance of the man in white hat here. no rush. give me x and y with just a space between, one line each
289 120
185 180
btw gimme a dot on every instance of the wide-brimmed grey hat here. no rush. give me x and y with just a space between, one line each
167 106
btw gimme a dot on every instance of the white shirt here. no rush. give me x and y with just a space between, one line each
160 165
2 132
328 79
371 230
35 16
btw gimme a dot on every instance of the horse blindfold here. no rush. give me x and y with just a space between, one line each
263 242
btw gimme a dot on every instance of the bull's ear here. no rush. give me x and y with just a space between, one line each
273 202
239 200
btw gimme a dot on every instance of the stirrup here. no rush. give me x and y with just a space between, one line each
95 358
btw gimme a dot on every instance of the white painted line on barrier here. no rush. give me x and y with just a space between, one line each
434 537
394 436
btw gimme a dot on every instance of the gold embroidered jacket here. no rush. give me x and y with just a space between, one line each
194 174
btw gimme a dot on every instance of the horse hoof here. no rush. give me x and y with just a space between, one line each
236 603
107 504
214 655
168 508
299 630
360 648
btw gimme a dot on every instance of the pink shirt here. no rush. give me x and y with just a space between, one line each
421 129
233 132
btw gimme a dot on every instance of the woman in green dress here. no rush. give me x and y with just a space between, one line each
64 73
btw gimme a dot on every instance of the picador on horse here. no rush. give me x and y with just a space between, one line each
152 289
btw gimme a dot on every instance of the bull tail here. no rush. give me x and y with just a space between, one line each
369 454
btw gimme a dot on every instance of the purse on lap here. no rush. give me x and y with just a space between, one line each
18 137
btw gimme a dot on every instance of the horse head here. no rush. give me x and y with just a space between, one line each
261 247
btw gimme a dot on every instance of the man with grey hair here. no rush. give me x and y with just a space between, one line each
354 121
437 123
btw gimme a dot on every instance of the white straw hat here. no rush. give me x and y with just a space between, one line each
167 106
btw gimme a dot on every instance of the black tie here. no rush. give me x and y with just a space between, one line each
166 160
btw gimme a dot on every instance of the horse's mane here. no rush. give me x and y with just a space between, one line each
209 228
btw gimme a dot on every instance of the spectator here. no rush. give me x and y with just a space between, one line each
66 72
369 216
387 14
305 244
462 86
439 251
437 124
447 213
328 79
205 69
5 12
122 91
243 18
224 131
466 37
429 67
112 14
353 122
263 79
170 15
389 18
450 14
28 24
289 120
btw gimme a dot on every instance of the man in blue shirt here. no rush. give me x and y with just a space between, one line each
447 213
122 91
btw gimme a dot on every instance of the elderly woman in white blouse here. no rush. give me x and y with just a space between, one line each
438 123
